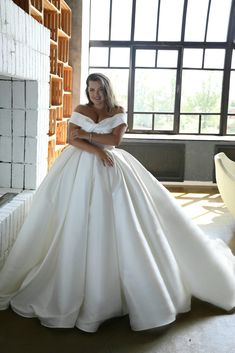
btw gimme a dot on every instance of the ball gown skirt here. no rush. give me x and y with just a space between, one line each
100 242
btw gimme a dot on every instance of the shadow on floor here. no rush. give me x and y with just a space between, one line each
22 335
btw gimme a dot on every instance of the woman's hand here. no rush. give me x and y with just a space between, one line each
79 133
105 157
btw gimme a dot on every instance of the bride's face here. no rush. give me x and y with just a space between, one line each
96 93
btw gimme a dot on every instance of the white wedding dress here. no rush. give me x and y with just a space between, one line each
101 242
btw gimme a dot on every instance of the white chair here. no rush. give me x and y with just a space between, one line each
225 178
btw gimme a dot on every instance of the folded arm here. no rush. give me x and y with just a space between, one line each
83 140
113 139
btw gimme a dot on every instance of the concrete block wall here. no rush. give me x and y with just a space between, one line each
24 98
23 134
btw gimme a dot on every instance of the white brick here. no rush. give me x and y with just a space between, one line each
23 16
30 176
17 52
44 95
5 52
43 122
18 122
4 237
42 170
5 94
5 149
31 148
31 123
17 23
33 66
18 149
32 30
42 149
5 122
15 20
8 57
12 58
36 37
31 94
3 15
28 31
17 175
5 175
11 15
18 94
1 53
23 60
8 18
46 42
29 58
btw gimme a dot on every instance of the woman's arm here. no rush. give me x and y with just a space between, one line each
74 140
113 139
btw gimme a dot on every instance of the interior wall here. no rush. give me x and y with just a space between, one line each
76 47
191 160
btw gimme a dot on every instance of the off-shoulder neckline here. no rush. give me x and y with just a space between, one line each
99 122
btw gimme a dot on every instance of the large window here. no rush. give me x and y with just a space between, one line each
172 62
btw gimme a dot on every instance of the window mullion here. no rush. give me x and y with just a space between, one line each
131 88
178 91
227 73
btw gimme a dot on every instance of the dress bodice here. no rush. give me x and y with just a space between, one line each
103 127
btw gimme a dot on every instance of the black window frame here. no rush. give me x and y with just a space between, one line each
228 46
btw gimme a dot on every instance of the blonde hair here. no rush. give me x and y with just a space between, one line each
109 95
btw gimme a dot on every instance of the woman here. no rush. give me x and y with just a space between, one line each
104 238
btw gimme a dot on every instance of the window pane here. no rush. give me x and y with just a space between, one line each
218 21
214 58
145 58
119 80
142 122
233 60
231 124
170 22
146 20
163 122
99 28
189 124
231 104
121 19
99 56
210 124
196 20
192 58
201 91
167 58
120 57
154 90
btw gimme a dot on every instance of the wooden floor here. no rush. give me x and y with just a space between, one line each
205 329
205 206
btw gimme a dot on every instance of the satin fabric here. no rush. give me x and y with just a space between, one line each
101 242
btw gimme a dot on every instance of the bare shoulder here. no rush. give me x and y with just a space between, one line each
87 110
118 110
81 108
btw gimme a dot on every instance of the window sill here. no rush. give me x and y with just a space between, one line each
147 137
